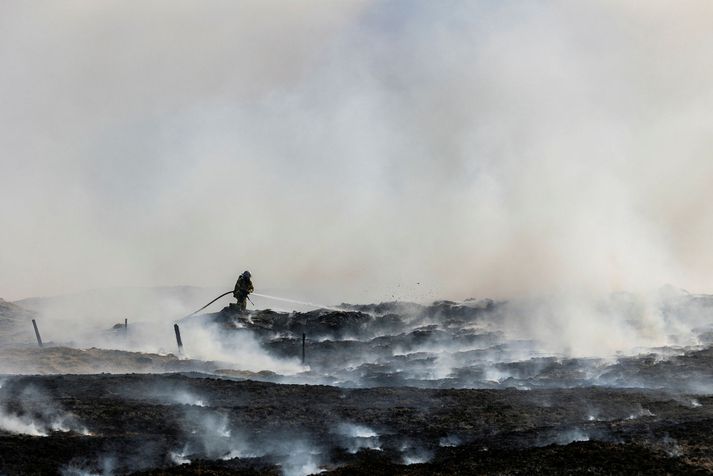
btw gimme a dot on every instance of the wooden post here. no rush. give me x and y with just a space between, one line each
303 347
37 333
178 338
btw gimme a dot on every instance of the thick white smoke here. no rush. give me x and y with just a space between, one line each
349 150
34 413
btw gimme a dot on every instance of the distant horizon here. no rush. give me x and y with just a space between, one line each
663 287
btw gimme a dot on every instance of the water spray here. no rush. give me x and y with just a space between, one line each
293 301
274 298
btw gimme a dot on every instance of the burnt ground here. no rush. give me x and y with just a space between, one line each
470 345
391 388
197 424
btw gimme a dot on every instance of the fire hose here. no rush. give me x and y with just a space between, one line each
224 294
267 297
199 310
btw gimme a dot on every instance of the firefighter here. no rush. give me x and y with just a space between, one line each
243 287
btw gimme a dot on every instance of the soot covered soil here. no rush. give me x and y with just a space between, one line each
195 424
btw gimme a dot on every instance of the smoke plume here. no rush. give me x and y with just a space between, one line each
356 150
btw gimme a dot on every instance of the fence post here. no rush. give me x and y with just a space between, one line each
37 333
178 338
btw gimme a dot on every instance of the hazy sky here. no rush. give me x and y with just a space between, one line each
349 150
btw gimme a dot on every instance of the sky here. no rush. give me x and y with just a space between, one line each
356 150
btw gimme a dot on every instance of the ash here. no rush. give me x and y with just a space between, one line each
393 388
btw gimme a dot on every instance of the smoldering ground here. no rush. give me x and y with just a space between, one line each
485 343
143 341
31 410
551 157
414 355
214 422
309 429
480 150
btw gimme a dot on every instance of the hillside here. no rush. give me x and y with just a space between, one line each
15 323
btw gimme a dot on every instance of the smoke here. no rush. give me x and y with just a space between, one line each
170 395
357 437
570 436
350 150
210 433
14 424
414 454
300 458
640 412
86 321
28 410
186 398
106 466
211 342
449 441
